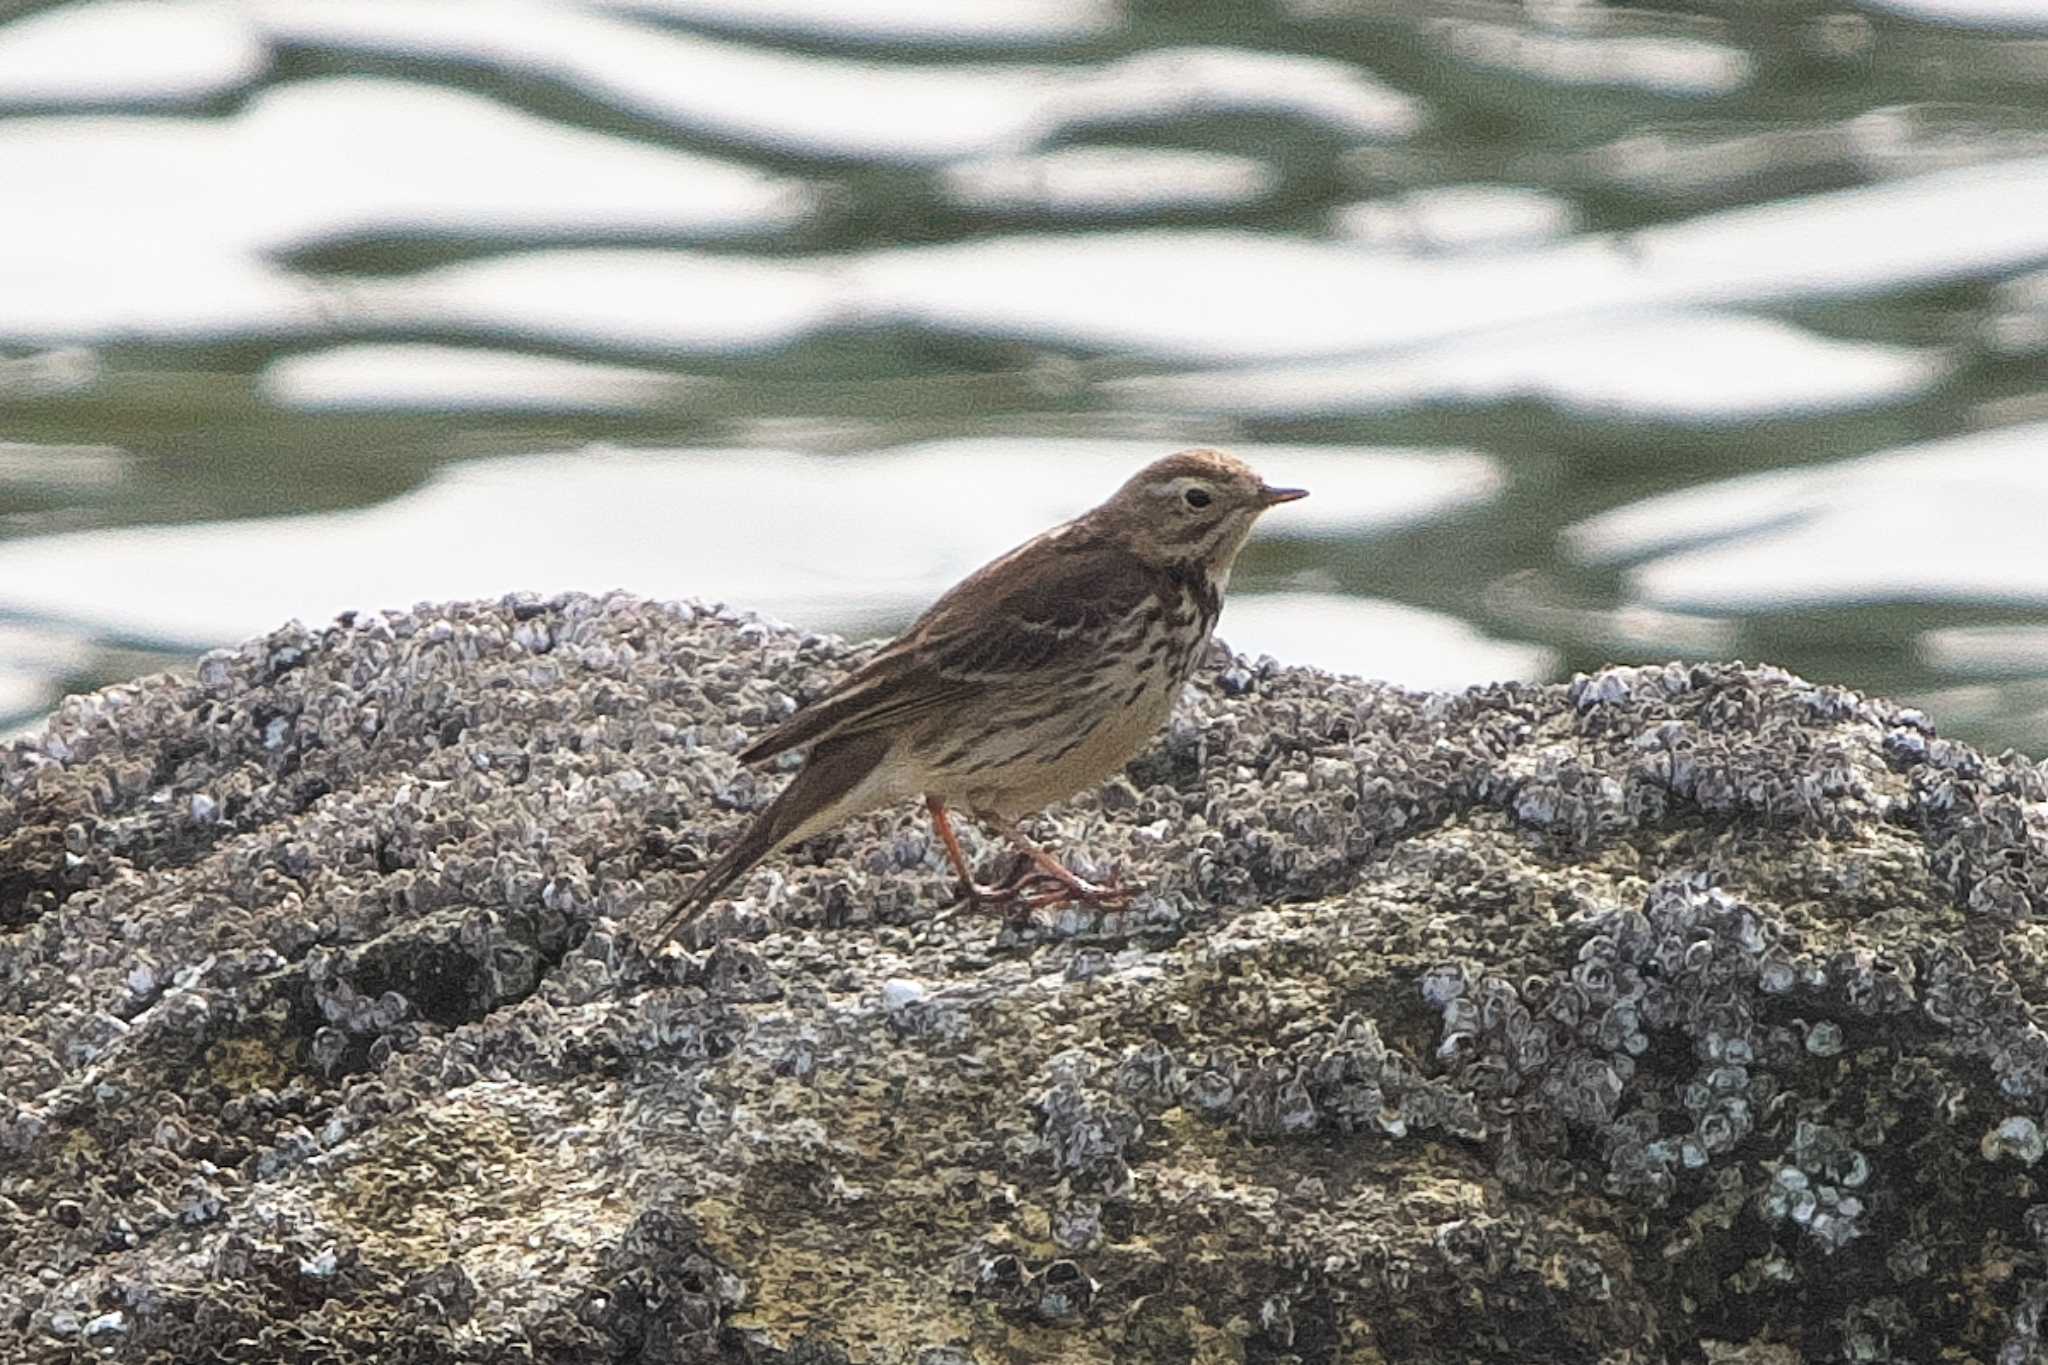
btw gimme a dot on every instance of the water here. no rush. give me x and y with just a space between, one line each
1600 334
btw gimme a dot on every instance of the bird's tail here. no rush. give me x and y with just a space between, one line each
819 796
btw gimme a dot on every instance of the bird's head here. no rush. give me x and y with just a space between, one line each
1195 506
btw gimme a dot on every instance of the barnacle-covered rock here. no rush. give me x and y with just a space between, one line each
1684 1012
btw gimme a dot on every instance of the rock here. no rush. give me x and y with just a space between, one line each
1678 1013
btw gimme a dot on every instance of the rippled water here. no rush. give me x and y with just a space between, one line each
1600 333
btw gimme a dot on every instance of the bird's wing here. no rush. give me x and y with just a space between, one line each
1050 598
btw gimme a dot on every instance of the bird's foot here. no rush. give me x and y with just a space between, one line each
1034 881
1002 893
1112 896
1030 888
1111 893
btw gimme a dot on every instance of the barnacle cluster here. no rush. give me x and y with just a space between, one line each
1692 1000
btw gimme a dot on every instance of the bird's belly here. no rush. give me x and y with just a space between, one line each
1051 752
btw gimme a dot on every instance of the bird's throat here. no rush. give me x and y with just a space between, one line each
1201 585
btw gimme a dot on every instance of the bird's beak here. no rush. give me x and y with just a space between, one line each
1273 497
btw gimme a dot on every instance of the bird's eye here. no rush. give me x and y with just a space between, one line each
1197 497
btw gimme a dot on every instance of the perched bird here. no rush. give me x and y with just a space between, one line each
1038 675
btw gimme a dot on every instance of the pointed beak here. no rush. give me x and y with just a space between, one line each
1273 497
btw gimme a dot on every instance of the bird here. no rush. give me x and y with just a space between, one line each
1033 678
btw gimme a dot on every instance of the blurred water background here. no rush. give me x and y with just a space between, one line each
1601 333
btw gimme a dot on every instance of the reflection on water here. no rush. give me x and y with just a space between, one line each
863 540
1600 333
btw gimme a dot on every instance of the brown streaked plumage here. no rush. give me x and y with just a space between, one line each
1036 676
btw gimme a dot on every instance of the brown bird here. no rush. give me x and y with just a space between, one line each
1038 675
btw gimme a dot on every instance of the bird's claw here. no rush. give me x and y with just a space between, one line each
1025 891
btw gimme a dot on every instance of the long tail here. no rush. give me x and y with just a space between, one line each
815 799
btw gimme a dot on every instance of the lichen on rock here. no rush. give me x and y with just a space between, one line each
1679 1013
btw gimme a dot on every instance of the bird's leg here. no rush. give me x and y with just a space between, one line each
1067 886
1021 873
968 889
976 895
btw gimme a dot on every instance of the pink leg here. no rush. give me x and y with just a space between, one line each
1006 892
1065 885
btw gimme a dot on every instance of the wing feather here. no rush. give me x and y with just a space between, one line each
1042 605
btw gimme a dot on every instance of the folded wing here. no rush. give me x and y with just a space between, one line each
1061 597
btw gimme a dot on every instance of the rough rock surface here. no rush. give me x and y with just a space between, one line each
1679 1014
